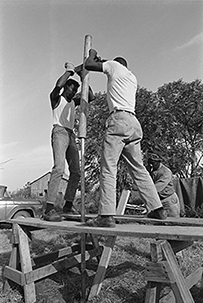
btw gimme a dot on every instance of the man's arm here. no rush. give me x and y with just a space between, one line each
162 180
93 63
91 97
82 73
55 94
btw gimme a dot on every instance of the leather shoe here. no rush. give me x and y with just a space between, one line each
158 213
53 216
102 221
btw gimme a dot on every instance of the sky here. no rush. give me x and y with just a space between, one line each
162 41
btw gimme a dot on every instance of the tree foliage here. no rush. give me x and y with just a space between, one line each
171 119
177 126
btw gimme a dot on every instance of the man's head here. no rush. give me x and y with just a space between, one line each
70 89
154 159
121 61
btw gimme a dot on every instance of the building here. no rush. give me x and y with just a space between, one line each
38 187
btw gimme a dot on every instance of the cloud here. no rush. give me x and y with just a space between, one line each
198 39
6 151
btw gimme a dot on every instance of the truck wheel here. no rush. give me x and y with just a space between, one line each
22 214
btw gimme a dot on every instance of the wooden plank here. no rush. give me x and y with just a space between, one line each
108 248
190 281
152 292
156 272
194 277
26 266
103 265
14 256
52 256
58 265
142 219
182 233
122 202
178 284
179 245
14 260
14 275
182 221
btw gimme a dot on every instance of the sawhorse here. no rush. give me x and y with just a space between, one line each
21 268
164 269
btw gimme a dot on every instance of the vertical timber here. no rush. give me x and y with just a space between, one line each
82 136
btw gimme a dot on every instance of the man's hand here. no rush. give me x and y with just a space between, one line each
70 68
93 62
78 68
80 71
92 53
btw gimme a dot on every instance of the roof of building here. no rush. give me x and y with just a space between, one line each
65 177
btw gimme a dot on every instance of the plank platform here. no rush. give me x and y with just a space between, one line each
159 232
169 236
180 221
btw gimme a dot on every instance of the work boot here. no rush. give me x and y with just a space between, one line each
53 216
158 213
102 221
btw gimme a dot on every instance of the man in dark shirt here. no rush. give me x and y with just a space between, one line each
163 180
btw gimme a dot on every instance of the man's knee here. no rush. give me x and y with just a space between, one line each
75 176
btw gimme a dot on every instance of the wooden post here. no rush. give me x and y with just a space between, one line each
83 119
82 136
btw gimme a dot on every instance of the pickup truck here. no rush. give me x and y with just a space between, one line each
11 208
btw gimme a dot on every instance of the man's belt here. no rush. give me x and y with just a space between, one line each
121 110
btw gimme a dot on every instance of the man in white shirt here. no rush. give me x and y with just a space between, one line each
63 141
122 137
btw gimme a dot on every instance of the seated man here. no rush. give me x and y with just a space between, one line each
162 177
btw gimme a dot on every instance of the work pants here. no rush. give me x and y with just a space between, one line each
122 137
64 149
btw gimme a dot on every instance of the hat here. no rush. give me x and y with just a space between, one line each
72 81
155 155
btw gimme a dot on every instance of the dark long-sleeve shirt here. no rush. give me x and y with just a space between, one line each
163 180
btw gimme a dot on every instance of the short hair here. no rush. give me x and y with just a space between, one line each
72 81
121 60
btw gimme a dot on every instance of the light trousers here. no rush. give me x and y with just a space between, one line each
64 149
122 137
172 205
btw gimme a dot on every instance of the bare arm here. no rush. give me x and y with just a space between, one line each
91 97
55 94
82 73
92 63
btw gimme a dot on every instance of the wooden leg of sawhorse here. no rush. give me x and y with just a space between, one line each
13 263
106 254
21 252
26 265
102 267
166 269
153 292
179 287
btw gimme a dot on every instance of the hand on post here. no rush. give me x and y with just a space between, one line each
82 72
70 67
93 53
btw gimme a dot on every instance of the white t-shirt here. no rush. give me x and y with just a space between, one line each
64 113
121 86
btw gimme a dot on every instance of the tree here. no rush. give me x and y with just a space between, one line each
180 107
171 119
